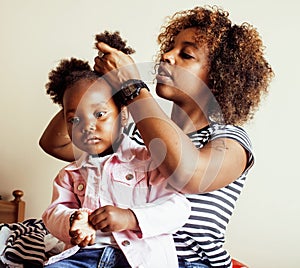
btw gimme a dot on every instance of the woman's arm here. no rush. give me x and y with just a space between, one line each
188 169
56 142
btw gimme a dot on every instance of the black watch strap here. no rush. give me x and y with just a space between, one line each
131 89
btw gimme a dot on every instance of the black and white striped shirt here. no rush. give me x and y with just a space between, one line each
25 244
202 237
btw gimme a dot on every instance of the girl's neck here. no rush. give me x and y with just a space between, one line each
189 118
112 149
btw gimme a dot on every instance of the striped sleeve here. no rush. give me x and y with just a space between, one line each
133 133
237 134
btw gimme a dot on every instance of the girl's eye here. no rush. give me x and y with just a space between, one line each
74 120
99 114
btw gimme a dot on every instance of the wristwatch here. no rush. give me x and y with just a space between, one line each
131 89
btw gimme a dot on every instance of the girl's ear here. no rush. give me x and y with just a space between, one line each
124 116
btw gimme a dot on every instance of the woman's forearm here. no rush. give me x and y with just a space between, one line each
172 151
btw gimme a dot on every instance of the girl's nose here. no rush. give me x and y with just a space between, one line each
89 128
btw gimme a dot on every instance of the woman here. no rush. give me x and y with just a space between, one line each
215 74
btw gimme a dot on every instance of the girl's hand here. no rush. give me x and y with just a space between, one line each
81 231
115 65
113 219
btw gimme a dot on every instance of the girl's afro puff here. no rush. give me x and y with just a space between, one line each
69 71
114 40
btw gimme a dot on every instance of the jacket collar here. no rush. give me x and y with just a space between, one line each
125 153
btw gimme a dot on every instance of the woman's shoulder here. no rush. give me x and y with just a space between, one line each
236 133
216 131
202 136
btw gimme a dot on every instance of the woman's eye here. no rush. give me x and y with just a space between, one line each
99 114
186 55
73 120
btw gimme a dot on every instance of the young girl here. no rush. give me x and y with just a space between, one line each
98 201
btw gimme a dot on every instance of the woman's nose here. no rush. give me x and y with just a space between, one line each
169 57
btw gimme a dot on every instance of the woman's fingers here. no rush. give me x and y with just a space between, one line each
104 48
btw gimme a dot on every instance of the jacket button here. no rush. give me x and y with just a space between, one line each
129 177
126 243
80 187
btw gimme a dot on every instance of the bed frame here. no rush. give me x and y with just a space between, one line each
12 211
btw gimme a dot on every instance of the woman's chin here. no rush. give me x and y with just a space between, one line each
164 91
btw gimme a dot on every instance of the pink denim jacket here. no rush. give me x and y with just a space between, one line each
122 179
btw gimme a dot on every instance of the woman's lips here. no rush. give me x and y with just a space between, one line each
163 75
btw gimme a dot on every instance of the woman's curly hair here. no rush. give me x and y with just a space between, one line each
70 71
238 74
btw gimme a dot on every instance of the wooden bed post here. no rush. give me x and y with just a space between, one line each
13 211
20 205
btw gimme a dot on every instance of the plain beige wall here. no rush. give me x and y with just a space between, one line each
264 231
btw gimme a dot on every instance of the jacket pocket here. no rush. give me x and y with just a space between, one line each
130 186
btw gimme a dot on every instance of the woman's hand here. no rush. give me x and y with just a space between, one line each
113 219
115 65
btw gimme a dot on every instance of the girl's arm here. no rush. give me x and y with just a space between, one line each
64 203
56 142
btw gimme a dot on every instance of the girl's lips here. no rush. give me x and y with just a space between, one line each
91 140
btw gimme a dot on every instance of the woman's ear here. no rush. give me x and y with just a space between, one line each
124 116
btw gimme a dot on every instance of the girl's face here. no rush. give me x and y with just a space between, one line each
183 72
92 116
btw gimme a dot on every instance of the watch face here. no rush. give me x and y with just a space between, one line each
129 89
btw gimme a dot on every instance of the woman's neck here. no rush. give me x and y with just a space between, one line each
189 118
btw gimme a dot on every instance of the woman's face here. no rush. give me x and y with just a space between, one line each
91 116
183 72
